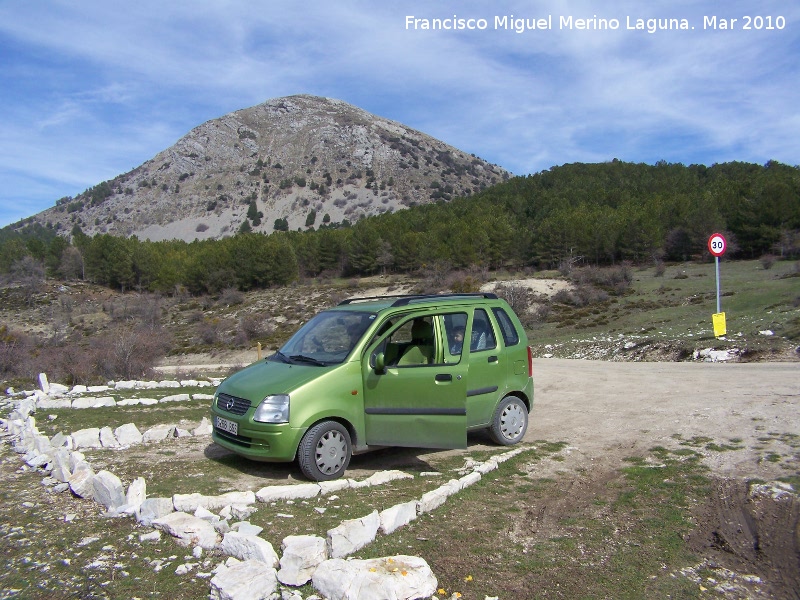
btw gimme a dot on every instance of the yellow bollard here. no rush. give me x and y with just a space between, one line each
720 328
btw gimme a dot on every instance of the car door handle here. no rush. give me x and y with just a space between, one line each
444 377
492 359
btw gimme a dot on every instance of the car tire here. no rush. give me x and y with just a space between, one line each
324 452
510 421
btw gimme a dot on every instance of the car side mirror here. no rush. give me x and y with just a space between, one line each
380 363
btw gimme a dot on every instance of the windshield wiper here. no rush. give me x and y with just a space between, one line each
280 356
308 359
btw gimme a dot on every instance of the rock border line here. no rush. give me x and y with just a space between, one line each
204 522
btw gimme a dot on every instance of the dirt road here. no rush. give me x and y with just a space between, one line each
623 408
743 418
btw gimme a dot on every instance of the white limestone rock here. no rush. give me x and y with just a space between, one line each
249 547
81 481
300 557
137 493
153 536
156 434
288 492
60 440
469 479
352 535
108 439
247 580
204 428
331 487
396 516
176 398
380 478
44 385
108 490
86 438
188 530
190 502
93 402
247 527
57 390
47 403
432 500
154 508
60 465
392 578
128 435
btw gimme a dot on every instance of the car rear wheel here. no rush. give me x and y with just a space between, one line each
510 421
325 451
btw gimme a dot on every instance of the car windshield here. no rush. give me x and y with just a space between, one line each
327 339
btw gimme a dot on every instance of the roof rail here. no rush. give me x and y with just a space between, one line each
405 299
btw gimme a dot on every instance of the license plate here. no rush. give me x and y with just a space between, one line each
231 427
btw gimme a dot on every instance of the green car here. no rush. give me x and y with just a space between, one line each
416 371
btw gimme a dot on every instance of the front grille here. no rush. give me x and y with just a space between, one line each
239 440
232 404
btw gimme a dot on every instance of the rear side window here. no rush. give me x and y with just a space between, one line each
510 335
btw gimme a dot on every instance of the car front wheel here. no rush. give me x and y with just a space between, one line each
510 421
325 451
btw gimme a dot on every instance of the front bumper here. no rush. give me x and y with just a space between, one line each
262 442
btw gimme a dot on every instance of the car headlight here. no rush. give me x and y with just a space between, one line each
273 409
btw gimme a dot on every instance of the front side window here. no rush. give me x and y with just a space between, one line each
416 342
412 344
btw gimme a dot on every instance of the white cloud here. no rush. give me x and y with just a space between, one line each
94 88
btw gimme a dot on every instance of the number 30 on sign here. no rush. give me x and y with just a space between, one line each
717 244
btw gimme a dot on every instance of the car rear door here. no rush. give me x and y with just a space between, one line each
487 371
417 401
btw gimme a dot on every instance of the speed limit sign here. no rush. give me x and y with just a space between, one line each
717 244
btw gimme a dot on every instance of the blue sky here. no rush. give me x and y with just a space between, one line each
92 89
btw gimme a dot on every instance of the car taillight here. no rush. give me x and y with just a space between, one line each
530 362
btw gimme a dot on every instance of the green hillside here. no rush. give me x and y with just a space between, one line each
576 214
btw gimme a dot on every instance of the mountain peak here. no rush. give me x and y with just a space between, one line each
296 162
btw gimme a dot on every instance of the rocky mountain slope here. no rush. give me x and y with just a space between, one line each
302 160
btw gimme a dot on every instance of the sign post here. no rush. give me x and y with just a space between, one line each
717 246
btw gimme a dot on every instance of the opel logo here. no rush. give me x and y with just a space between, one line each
229 404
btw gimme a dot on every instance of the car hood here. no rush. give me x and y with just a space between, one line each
266 377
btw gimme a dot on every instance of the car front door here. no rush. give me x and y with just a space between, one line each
414 391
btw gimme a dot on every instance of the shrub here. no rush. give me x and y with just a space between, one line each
252 327
580 296
518 296
129 353
209 331
461 284
612 279
14 346
767 261
125 352
231 297
540 313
